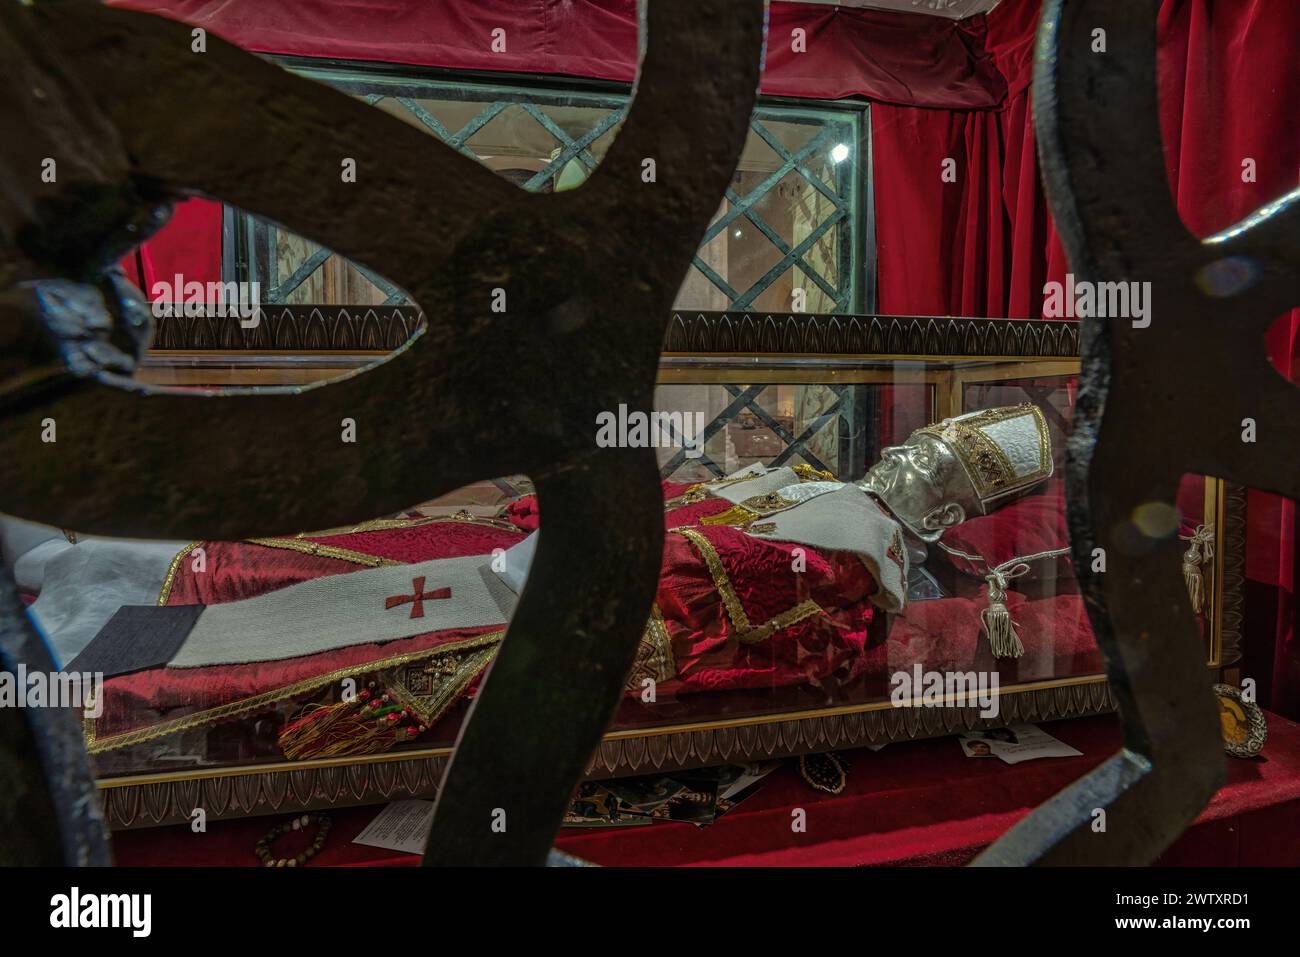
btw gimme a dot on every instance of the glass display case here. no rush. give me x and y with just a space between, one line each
866 541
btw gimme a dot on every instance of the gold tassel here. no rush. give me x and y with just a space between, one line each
1200 549
997 619
369 724
311 724
1194 579
1001 631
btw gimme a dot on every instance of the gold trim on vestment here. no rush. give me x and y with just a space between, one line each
791 616
747 633
768 503
807 473
386 524
325 551
696 493
299 544
736 515
700 491
754 507
374 524
97 745
166 591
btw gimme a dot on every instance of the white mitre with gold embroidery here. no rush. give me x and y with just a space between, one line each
1005 451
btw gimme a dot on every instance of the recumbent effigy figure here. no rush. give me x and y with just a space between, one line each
770 577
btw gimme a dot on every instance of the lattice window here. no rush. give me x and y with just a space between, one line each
790 221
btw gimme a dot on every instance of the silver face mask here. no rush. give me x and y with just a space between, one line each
923 484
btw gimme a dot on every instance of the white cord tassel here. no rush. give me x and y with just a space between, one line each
1200 549
997 619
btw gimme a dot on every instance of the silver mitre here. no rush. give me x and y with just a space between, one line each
967 465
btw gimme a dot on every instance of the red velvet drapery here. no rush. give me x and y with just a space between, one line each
915 803
885 56
962 226
189 245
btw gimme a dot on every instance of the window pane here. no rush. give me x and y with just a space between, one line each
782 240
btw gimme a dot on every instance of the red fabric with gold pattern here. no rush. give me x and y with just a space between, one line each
715 651
525 514
235 570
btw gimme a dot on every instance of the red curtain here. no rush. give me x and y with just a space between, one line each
189 245
882 55
978 241
984 244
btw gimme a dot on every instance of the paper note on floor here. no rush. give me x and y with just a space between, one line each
402 826
1019 742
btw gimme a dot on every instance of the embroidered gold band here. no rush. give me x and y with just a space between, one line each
654 654
428 707
325 551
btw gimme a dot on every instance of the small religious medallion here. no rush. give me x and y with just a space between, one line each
1242 722
764 504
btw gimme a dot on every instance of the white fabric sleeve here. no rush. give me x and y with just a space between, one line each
518 559
84 584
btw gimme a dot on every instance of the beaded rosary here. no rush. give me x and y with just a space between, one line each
263 847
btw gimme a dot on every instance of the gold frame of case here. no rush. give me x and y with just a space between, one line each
946 354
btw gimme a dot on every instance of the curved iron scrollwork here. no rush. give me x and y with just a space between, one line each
586 279
1098 131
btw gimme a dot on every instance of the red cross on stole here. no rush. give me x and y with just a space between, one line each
418 598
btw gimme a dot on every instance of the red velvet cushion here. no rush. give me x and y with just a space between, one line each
1028 526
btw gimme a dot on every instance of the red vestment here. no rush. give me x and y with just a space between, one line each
733 612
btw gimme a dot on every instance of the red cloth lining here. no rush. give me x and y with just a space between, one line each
946 634
915 803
